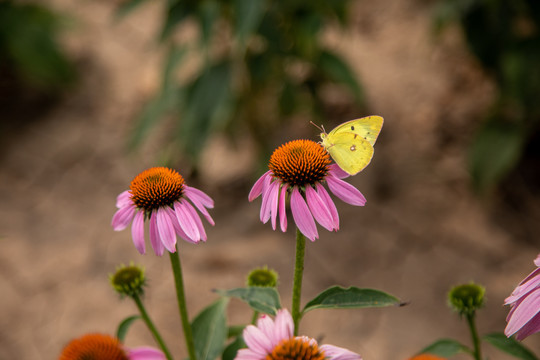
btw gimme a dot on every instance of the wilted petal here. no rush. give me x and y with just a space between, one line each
302 216
123 217
318 208
137 232
258 187
345 191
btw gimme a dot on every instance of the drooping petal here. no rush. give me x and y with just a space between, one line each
145 353
257 188
269 195
318 208
274 198
338 172
337 353
529 283
166 230
302 216
123 199
177 227
196 200
155 241
123 217
282 208
284 326
195 217
329 204
524 310
532 327
137 232
345 191
185 220
257 341
199 196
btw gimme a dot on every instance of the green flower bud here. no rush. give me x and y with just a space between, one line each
128 280
262 277
466 298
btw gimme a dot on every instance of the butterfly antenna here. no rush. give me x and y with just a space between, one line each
321 128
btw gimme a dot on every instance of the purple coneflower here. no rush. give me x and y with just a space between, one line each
300 168
524 316
98 346
275 340
160 196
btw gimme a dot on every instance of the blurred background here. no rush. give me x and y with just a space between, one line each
93 92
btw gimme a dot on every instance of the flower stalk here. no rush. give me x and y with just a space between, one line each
297 281
179 283
474 334
151 326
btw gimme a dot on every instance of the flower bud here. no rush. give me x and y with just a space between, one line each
262 277
466 298
128 280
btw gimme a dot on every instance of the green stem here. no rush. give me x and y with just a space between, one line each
151 326
179 282
474 333
297 282
255 317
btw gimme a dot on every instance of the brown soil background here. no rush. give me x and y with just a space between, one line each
421 232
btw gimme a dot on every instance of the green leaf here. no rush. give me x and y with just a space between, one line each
338 70
177 12
210 331
261 299
248 14
126 7
494 152
445 348
124 326
230 351
510 346
337 297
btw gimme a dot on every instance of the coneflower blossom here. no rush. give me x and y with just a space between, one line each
300 168
274 340
524 316
160 196
99 346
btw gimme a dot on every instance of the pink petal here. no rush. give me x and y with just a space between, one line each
337 353
525 310
257 188
284 326
531 282
195 194
185 220
137 232
338 172
537 261
166 230
533 326
200 205
345 191
274 198
266 325
302 217
248 354
269 196
145 353
329 204
177 227
257 341
156 243
123 217
282 206
318 208
197 220
124 199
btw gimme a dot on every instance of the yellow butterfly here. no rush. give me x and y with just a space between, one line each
351 143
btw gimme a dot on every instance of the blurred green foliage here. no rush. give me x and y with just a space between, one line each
258 63
504 35
29 47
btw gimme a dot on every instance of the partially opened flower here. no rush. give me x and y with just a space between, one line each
299 169
274 340
524 316
161 196
99 346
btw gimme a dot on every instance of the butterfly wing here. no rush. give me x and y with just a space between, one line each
367 127
351 152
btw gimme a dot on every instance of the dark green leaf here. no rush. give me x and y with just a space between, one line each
230 351
177 12
338 70
445 348
248 14
210 331
261 299
124 326
494 152
208 14
338 297
510 346
235 331
126 7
